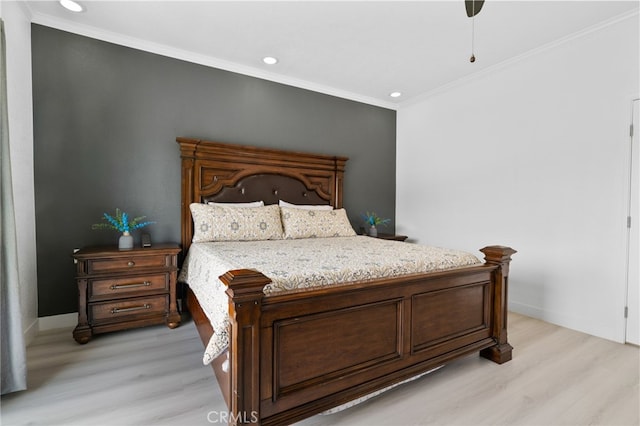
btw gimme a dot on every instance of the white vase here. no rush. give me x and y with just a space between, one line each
373 232
126 241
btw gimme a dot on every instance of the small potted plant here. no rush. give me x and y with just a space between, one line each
122 223
373 220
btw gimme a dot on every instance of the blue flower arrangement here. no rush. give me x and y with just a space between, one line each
121 222
372 219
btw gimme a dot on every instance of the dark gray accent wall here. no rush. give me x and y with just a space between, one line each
105 122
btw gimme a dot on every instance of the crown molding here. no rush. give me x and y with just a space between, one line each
213 62
189 56
519 58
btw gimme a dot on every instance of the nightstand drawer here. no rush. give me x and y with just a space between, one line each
128 286
113 311
127 263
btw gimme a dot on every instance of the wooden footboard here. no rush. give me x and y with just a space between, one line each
295 355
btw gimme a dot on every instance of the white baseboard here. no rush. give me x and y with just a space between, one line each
527 310
57 321
30 332
582 325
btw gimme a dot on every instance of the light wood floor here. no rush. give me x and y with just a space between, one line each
154 376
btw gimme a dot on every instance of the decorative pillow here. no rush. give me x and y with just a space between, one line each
300 223
218 223
252 204
305 206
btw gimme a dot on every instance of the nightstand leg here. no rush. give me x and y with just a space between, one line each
173 317
82 334
173 320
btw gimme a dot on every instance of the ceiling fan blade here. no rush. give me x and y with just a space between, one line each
473 7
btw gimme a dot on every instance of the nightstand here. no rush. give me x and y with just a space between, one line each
384 236
121 289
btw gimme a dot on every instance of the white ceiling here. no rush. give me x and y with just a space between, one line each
360 50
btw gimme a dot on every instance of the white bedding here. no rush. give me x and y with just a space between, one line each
303 264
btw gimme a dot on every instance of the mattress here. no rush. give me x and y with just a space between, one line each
303 265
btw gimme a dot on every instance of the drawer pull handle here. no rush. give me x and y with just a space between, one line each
131 263
119 286
135 308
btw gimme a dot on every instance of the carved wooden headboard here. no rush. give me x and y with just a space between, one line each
214 171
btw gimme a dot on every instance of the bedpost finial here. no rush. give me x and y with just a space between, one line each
498 254
244 284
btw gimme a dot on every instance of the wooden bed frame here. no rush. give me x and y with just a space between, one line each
295 355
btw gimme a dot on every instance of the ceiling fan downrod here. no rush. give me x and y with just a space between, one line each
472 10
472 59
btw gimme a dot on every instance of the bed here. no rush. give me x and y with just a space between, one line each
284 362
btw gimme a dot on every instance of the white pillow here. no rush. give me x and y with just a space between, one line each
305 206
218 223
252 204
300 223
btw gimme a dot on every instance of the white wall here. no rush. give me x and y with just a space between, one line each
18 39
533 155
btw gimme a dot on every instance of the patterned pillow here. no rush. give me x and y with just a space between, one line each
218 223
299 223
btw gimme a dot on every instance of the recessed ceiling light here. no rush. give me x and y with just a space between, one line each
71 5
395 94
270 60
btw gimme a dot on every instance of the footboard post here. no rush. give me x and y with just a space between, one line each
245 303
500 256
